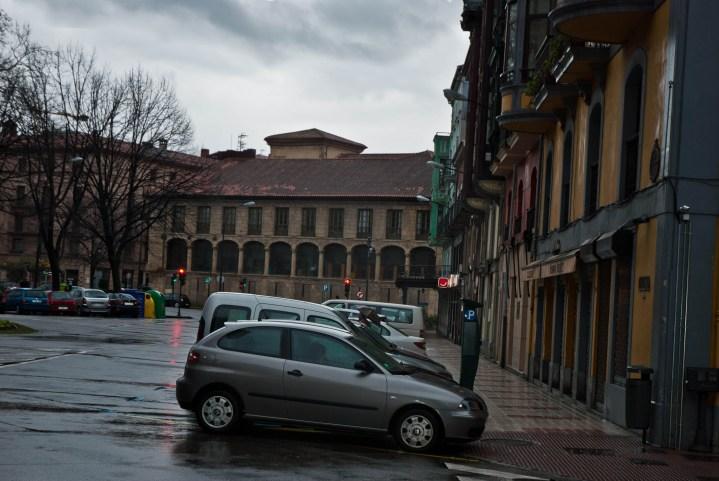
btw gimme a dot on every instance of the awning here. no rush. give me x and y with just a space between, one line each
586 251
558 265
615 243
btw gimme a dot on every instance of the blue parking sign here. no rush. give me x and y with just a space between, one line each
470 314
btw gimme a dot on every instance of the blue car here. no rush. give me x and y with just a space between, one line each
23 301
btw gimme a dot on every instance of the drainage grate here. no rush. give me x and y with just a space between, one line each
647 462
590 451
508 442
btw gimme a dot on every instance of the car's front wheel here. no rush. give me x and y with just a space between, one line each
418 430
218 411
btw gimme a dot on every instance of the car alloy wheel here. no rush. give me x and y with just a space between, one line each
218 411
417 430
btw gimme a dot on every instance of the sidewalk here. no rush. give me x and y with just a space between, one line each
534 429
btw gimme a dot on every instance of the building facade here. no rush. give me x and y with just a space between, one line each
608 227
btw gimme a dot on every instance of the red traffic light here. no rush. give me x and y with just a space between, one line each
348 281
181 272
443 282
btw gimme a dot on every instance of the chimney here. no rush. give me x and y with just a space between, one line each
204 153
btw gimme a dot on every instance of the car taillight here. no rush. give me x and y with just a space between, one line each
84 301
193 357
421 344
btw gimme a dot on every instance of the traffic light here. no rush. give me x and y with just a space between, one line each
348 284
173 279
181 275
244 284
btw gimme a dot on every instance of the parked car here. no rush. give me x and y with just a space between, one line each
122 304
90 301
404 316
61 302
307 373
4 291
222 307
24 301
389 332
172 299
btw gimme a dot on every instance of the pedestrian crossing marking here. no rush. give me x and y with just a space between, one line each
503 475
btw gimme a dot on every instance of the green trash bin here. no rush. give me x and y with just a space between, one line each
159 303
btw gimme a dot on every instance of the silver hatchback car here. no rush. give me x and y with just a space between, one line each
295 372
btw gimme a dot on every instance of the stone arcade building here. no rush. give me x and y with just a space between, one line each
295 223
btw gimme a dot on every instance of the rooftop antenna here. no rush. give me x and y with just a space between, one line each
241 141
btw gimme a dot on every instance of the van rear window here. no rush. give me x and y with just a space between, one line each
227 313
393 314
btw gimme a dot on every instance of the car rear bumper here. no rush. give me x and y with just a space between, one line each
185 393
464 425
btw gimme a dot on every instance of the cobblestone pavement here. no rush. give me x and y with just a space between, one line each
533 429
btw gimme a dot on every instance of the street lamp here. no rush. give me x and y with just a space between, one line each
220 253
370 249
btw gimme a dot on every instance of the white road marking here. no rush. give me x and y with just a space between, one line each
48 358
504 475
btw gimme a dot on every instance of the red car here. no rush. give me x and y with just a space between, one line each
60 302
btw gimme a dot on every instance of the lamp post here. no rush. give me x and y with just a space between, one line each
220 251
370 249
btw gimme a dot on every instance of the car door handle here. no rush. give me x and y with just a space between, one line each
295 372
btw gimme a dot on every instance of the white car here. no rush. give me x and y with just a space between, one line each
391 333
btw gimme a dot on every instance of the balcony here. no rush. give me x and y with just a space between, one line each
579 63
554 98
604 21
472 15
512 152
519 116
424 276
451 221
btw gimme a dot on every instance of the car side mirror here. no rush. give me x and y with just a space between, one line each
364 365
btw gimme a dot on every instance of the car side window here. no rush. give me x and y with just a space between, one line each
275 314
227 313
394 314
335 304
317 348
263 341
324 321
381 330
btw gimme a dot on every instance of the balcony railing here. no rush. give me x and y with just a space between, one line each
423 271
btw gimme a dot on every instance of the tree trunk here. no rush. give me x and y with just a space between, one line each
114 260
53 259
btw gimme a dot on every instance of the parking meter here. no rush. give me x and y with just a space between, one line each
471 342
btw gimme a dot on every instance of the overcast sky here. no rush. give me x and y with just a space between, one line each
369 70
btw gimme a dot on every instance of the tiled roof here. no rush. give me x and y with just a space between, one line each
310 134
354 175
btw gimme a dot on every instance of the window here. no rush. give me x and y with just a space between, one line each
324 321
320 349
226 313
511 39
537 28
422 229
394 224
275 314
566 179
593 152
17 247
282 219
263 341
178 218
254 221
18 224
336 223
631 134
547 190
229 216
393 314
364 223
308 221
203 220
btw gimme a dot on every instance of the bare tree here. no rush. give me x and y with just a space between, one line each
138 128
51 141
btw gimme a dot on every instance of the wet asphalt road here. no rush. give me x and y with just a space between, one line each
93 398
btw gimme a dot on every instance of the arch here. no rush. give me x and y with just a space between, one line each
228 256
594 146
533 189
201 255
391 262
280 259
520 199
422 261
176 254
335 260
567 151
253 258
632 121
361 261
307 262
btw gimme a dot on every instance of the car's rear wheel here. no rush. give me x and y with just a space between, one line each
418 430
18 310
218 411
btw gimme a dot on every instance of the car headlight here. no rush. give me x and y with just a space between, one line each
470 404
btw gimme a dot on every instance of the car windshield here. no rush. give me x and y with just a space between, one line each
95 293
126 297
36 293
379 356
60 295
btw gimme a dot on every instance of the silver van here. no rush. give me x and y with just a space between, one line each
222 307
408 318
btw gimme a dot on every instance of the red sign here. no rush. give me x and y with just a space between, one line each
443 282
